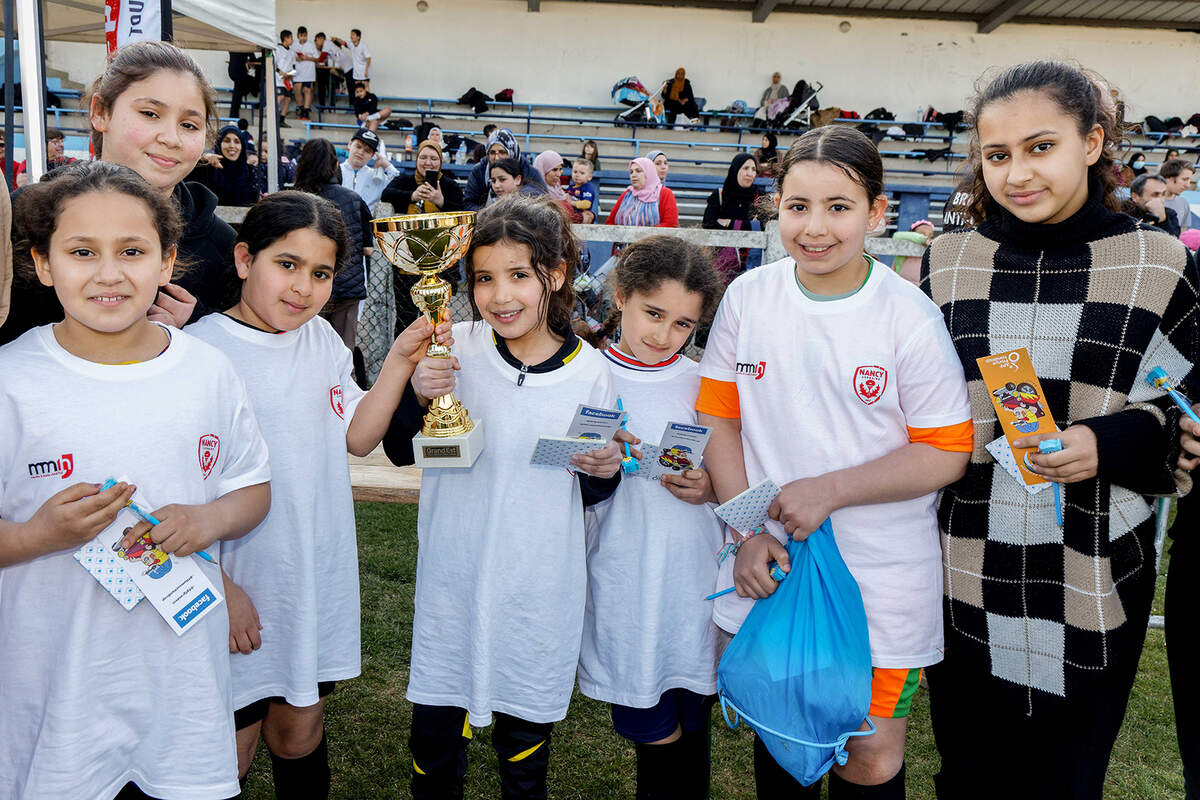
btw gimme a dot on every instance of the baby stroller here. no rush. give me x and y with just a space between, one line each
802 102
645 108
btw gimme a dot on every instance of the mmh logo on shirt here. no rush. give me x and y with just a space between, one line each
752 368
61 468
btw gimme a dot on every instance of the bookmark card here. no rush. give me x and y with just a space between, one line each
1003 454
680 448
748 510
175 585
591 422
1018 398
553 451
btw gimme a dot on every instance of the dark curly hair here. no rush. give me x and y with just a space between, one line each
1080 94
647 263
318 163
542 225
277 215
38 206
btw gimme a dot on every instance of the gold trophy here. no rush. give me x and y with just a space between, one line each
425 245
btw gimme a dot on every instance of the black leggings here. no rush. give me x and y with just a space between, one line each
439 749
1182 606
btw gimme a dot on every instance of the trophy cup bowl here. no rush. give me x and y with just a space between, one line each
426 245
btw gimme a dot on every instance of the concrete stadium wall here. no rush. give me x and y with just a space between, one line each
572 52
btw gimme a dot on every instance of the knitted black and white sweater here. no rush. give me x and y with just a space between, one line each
1098 300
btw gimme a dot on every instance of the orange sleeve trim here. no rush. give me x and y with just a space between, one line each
958 438
719 398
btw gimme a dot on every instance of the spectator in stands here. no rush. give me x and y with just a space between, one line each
776 91
287 170
428 189
244 82
325 63
226 172
317 172
55 156
508 176
306 55
732 205
678 98
659 159
285 68
366 108
243 126
767 156
478 154
1177 174
1147 203
591 152
645 202
342 70
549 165
1137 164
368 181
583 193
1171 154
501 144
489 129
360 58
4 161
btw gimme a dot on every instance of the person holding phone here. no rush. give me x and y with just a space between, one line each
428 189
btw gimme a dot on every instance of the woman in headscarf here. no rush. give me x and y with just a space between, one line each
767 155
776 91
659 159
549 165
645 202
428 189
734 202
226 171
678 98
501 144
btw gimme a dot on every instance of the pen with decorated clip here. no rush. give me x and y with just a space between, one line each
146 516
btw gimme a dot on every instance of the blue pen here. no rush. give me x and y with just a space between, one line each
145 515
1054 446
776 572
1159 379
629 464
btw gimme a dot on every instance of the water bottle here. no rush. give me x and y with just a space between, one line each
461 156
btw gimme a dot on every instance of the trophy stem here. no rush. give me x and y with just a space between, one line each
446 416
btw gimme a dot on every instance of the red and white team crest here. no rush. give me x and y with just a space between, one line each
870 383
335 400
209 451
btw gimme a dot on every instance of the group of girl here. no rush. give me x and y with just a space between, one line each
1032 648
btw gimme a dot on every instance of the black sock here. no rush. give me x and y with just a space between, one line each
660 770
304 778
842 789
772 781
439 752
523 757
696 773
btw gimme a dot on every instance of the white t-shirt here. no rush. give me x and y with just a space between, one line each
300 565
92 695
333 52
651 562
305 70
359 55
804 370
501 573
370 181
345 61
285 62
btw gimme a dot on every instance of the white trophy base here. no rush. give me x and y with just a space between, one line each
448 451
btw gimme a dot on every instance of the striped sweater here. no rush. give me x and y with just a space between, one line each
1098 300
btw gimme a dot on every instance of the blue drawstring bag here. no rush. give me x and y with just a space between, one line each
799 670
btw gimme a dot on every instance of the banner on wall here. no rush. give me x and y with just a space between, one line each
128 21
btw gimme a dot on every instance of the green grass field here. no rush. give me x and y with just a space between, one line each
368 718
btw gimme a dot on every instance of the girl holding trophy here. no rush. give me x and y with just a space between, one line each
501 572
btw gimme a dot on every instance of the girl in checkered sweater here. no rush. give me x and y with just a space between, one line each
1044 623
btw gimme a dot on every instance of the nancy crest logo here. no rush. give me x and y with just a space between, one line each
335 401
870 383
208 451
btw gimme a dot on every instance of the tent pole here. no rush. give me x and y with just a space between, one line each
9 93
33 83
168 21
272 121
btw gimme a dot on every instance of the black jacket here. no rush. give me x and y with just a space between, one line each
399 192
206 248
351 281
1169 225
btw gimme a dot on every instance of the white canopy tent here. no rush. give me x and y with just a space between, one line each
197 24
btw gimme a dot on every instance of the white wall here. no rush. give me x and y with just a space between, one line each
573 52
